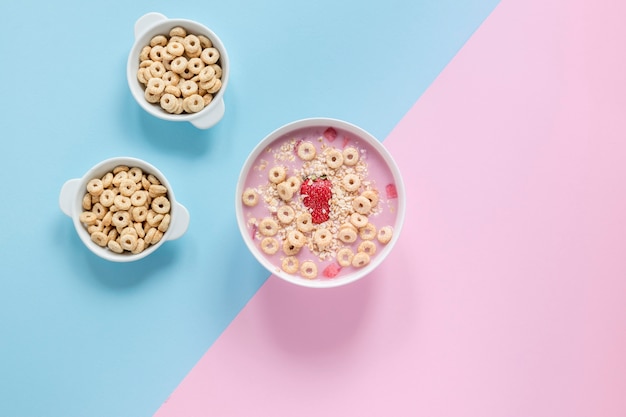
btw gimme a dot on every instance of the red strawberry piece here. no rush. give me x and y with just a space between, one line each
316 193
332 270
391 191
330 134
295 148
346 139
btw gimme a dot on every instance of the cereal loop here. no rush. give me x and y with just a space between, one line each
127 187
367 232
296 238
334 158
322 238
290 264
193 104
385 234
308 269
277 174
175 48
161 205
367 246
358 220
351 182
121 219
361 205
350 156
285 214
304 222
178 31
344 256
158 40
360 259
285 192
95 187
249 197
306 151
192 45
268 227
210 56
269 245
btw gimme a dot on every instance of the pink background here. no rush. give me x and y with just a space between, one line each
506 294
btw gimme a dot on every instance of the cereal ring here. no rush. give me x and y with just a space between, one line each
385 234
218 70
87 201
156 53
139 213
115 246
99 238
368 232
127 187
347 234
121 202
121 168
95 187
268 227
290 264
285 214
107 219
165 223
269 245
158 235
179 64
195 65
175 48
135 174
289 249
192 45
285 192
156 190
351 182
294 183
146 63
120 219
249 197
360 259
193 104
107 180
210 56
168 102
153 218
145 53
173 90
350 156
161 205
372 196
150 233
322 238
157 69
107 198
306 151
216 87
304 222
178 31
207 73
334 158
367 246
209 84
142 76
361 205
88 218
139 198
358 220
139 229
158 40
344 256
296 238
277 174
141 246
128 242
152 98
205 42
99 210
308 270
207 98
170 78
96 227
188 88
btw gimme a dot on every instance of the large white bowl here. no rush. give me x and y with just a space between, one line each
270 262
152 24
70 202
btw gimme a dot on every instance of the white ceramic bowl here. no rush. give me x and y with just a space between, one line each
254 174
152 24
71 196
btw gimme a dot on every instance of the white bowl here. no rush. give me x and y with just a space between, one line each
152 24
70 202
381 169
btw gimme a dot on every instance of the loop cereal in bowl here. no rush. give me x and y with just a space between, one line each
123 209
178 70
320 202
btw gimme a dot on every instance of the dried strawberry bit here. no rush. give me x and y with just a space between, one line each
346 140
316 193
253 231
330 134
391 191
332 270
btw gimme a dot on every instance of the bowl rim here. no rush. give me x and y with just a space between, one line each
177 210
362 134
143 38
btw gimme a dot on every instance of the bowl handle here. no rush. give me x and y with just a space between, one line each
144 22
180 223
211 118
68 194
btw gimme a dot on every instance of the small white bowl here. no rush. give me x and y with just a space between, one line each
152 24
254 174
70 202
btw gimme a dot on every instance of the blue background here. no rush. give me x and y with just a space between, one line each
83 337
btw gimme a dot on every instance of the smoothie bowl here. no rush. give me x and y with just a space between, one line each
320 202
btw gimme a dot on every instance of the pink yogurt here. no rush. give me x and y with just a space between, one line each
282 151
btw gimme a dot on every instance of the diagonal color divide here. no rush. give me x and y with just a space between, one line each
505 295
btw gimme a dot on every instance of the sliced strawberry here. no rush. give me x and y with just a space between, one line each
316 193
332 270
391 191
330 134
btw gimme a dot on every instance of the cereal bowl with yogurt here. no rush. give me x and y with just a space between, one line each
320 202
123 209
178 70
